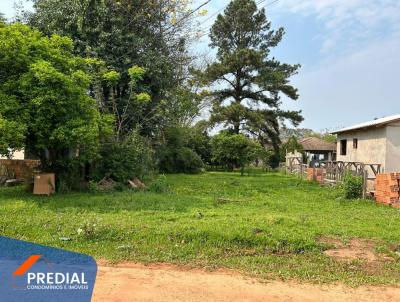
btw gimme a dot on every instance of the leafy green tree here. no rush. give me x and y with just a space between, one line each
299 133
125 159
176 154
199 141
3 19
235 150
123 34
291 145
44 102
286 133
184 106
126 110
326 136
246 82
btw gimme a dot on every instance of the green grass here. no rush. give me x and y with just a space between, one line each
264 225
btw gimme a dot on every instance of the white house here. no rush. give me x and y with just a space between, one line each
374 142
16 155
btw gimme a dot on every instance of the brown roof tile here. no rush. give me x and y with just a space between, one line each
316 144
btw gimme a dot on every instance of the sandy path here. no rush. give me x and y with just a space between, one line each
159 283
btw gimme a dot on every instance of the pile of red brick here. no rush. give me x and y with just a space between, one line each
387 189
316 174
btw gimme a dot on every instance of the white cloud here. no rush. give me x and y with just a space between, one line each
353 88
355 76
348 22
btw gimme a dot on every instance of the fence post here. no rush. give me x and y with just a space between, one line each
365 183
336 174
301 171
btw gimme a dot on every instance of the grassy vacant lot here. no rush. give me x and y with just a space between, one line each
267 225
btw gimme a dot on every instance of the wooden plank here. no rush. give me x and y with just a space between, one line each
365 177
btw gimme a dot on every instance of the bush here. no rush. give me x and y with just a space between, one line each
127 159
291 145
235 151
175 155
352 186
181 160
200 142
188 161
159 185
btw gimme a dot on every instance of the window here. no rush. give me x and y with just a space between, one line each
343 147
355 143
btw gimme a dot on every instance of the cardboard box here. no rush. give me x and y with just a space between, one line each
44 184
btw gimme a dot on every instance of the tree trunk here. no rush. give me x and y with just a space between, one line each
236 127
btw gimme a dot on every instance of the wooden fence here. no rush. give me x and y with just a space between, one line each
334 171
294 165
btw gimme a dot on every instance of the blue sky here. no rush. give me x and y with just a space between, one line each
349 52
350 56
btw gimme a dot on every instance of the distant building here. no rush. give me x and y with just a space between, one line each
16 155
318 149
374 142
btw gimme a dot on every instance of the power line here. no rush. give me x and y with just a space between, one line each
218 11
188 15
172 26
270 3
222 8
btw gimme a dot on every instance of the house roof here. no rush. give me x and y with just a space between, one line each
375 123
316 144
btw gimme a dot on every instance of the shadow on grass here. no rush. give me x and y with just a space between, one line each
105 202
189 192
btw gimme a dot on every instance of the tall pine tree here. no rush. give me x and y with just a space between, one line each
247 84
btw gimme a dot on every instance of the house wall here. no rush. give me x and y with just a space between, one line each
16 155
371 146
392 163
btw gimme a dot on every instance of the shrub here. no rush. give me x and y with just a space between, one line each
181 160
235 151
352 186
291 145
188 161
93 186
200 142
127 159
159 185
175 155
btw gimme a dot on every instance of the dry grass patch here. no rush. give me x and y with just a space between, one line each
354 249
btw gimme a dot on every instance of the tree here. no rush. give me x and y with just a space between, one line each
128 158
291 145
125 110
326 136
246 82
199 141
44 102
176 154
235 150
3 19
123 34
299 133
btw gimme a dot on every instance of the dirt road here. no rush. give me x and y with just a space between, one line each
159 283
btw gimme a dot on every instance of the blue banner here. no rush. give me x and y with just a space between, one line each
34 273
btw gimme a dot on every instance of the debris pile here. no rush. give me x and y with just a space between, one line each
136 184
